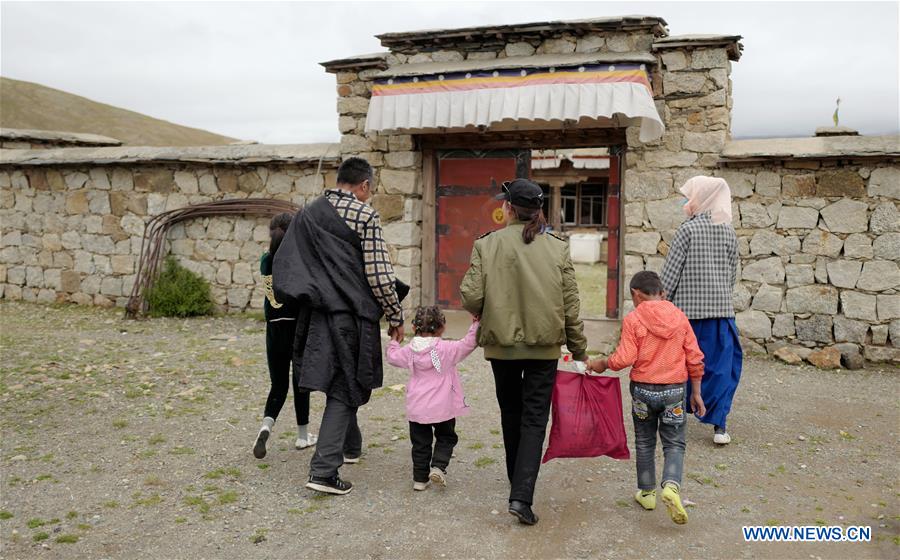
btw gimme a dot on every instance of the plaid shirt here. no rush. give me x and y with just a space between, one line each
364 220
701 268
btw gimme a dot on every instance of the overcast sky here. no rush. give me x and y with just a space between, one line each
251 71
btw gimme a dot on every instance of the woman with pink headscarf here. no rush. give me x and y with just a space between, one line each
699 276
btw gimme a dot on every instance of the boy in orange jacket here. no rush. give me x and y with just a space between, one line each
659 344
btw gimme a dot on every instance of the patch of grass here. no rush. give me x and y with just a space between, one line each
497 446
41 536
820 522
132 393
495 432
84 526
53 521
847 436
262 466
147 453
153 480
772 522
35 522
745 509
212 488
156 439
294 511
202 505
215 474
228 497
721 467
4 515
476 445
258 536
67 539
181 450
781 469
45 476
14 480
111 504
119 424
178 292
148 501
484 461
180 519
72 515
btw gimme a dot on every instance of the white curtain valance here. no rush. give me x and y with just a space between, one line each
460 100
581 158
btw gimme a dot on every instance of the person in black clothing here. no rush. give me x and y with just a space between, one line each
281 326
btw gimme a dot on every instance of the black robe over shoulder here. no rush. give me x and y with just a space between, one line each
337 347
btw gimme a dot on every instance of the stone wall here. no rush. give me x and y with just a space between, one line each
73 233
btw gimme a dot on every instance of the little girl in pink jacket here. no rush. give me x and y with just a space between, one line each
434 396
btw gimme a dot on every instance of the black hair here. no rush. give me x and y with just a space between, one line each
429 320
278 222
534 219
353 171
647 282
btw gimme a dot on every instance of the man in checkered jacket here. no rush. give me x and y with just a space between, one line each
334 260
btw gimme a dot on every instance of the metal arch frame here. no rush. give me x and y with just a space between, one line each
157 227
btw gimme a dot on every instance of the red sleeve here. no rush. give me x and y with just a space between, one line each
693 357
627 351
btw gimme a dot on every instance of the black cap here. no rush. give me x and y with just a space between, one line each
522 192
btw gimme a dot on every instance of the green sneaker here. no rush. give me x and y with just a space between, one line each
672 499
647 499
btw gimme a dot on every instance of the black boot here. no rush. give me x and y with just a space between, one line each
523 512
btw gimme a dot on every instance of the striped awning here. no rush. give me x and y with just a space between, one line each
587 94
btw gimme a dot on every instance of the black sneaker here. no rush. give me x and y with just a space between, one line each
522 512
333 485
259 448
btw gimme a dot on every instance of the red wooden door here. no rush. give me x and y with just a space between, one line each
466 209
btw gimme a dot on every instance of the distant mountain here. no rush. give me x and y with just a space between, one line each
33 106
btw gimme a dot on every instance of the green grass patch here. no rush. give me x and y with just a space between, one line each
232 472
178 292
181 450
258 536
4 515
40 536
228 497
84 526
147 501
484 461
180 519
476 445
156 439
201 504
35 522
262 466
111 504
119 424
67 539
72 515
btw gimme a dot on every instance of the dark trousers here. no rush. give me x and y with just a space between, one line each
279 354
339 436
524 388
423 458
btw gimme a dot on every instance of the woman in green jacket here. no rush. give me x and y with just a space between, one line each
521 284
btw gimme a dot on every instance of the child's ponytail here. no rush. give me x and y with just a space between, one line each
535 222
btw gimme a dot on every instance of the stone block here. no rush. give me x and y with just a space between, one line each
186 182
882 354
665 214
857 305
647 185
403 234
592 43
309 185
705 142
665 159
766 242
793 217
227 251
154 180
399 182
798 186
844 274
846 216
122 264
250 182
740 183
851 358
111 286
826 358
755 215
98 202
156 203
888 306
768 184
74 181
519 49
894 331
558 46
814 329
642 242
238 298
279 183
352 106
821 270
767 298
740 297
885 218
207 183
885 181
840 182
618 42
848 330
783 325
683 82
99 179
709 58
768 271
77 203
69 281
754 324
388 206
788 356
634 214
859 246
887 246
674 60
242 273
878 276
401 160
880 334
812 299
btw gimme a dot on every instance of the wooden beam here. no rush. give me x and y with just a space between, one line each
429 217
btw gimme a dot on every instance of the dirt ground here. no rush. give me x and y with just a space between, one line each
124 439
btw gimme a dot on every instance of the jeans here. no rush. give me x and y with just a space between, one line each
280 356
339 436
444 440
658 408
524 388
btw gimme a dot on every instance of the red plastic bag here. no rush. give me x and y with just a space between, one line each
587 417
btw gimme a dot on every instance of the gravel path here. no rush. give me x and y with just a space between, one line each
133 439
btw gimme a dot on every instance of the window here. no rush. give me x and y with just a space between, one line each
592 204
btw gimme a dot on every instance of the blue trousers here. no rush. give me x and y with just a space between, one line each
723 360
